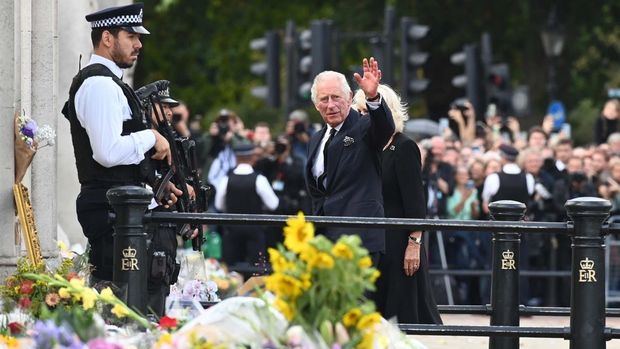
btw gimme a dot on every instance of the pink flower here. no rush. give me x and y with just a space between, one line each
26 287
24 302
100 343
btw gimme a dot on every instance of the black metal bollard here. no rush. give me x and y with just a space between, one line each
505 277
587 296
130 257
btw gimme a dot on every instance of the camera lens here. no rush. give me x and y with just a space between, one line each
280 148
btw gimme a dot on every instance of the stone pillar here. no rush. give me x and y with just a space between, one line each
7 108
73 41
43 48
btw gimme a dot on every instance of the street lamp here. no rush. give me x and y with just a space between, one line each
552 36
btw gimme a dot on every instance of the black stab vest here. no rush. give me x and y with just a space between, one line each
241 195
90 172
512 187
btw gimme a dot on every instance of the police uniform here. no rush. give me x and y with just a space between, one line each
510 183
244 191
162 242
109 137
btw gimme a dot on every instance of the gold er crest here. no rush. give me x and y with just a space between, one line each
586 270
508 261
129 260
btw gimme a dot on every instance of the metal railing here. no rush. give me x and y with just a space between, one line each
586 229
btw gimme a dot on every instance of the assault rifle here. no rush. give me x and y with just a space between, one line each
184 169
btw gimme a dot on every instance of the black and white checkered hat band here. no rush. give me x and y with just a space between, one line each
164 93
129 20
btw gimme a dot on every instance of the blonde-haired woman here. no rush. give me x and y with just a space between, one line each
403 289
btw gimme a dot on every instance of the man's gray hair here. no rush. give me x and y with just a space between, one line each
329 74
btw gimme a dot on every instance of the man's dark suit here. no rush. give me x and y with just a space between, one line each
353 186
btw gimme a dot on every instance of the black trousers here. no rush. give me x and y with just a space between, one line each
243 244
163 268
93 212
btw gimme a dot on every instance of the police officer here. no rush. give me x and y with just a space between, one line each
108 128
162 237
244 191
511 183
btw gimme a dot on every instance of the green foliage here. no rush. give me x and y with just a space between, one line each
203 47
582 119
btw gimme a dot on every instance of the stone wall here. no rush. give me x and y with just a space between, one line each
42 43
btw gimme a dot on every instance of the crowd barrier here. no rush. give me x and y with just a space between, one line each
587 228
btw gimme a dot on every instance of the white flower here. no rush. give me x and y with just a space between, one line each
45 136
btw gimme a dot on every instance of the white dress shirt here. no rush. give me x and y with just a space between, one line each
101 108
319 161
491 183
263 189
560 165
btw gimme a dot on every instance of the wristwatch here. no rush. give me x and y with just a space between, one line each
415 240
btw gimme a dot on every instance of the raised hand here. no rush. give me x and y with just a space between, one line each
369 82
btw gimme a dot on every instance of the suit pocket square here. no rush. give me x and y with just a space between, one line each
348 141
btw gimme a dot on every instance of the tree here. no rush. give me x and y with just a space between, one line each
203 46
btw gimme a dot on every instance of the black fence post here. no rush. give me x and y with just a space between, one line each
505 277
130 257
587 301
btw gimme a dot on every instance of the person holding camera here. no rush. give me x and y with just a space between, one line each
224 135
462 112
463 249
285 172
437 178
299 131
607 122
574 184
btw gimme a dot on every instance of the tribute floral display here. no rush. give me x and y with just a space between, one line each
29 137
315 298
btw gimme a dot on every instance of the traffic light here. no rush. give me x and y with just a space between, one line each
321 46
269 68
412 59
469 58
304 66
499 91
314 56
291 48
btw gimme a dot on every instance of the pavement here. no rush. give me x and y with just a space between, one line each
440 342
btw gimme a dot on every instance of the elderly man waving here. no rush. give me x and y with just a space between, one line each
343 173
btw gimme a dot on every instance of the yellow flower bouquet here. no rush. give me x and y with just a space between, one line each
321 285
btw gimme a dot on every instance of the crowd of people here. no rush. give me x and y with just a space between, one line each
457 171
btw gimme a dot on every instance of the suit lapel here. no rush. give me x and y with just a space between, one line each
337 145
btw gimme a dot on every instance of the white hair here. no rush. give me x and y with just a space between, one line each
391 99
326 75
